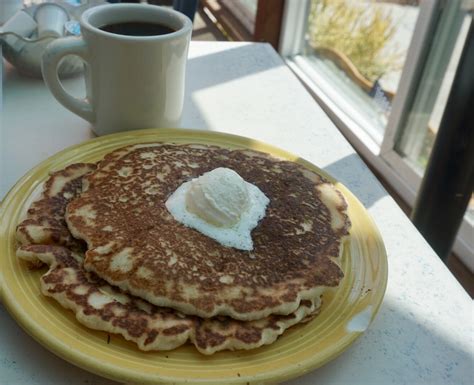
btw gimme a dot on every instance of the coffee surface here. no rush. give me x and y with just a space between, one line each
138 29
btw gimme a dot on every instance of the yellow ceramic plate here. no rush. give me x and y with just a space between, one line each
344 315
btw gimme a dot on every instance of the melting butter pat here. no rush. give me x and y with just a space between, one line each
221 205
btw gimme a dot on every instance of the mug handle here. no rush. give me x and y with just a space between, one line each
53 53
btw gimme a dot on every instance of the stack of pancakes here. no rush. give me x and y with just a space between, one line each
120 261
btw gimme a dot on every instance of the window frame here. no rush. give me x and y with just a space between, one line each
404 179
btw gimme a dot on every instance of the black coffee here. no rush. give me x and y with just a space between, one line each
137 28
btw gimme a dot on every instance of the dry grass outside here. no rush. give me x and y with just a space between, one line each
359 30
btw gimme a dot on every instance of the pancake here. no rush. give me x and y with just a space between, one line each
134 242
44 238
100 306
44 223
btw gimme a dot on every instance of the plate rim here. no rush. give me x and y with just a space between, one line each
139 136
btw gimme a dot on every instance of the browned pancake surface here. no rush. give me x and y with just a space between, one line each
135 243
101 306
45 223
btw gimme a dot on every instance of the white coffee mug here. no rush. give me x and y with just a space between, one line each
132 82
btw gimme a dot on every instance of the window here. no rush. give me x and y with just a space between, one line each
383 70
359 49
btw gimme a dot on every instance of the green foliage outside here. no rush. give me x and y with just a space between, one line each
358 29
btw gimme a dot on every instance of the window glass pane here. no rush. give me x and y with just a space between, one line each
359 47
424 118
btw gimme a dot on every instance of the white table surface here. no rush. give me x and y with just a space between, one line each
423 333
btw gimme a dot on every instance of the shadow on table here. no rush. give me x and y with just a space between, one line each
364 185
216 69
401 348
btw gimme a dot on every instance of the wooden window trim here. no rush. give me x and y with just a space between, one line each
269 21
267 24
